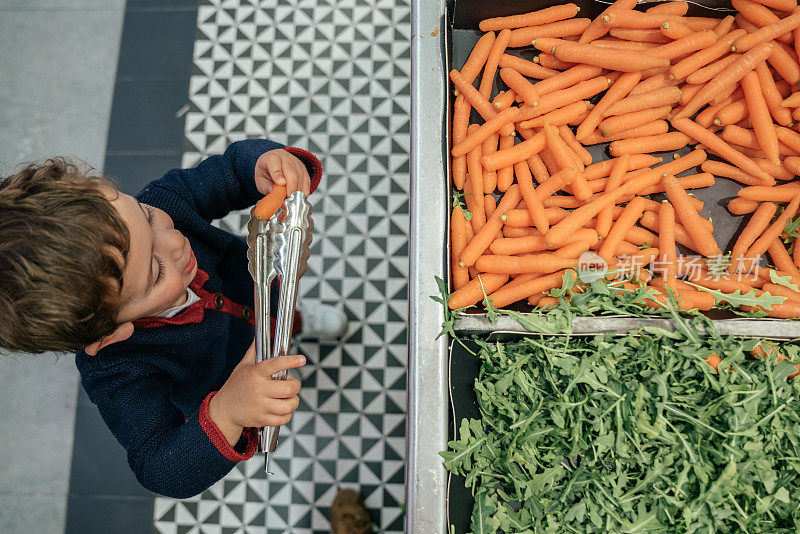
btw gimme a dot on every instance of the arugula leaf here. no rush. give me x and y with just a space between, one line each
793 227
737 298
457 196
785 281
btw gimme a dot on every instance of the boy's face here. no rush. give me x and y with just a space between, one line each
160 263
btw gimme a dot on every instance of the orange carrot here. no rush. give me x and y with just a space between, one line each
526 68
636 162
677 8
685 45
640 236
675 29
505 175
770 194
620 60
549 62
604 218
597 28
650 221
489 70
532 263
708 139
654 143
484 237
271 203
649 35
520 85
710 71
724 26
560 116
569 138
766 33
651 84
772 95
742 206
617 44
461 110
477 58
729 76
756 226
666 240
458 240
625 222
489 177
717 168
691 220
760 116
628 18
562 28
532 201
568 78
657 98
616 92
755 13
783 60
518 152
563 155
558 99
477 100
731 113
473 292
703 57
480 134
779 5
693 181
505 296
538 168
689 91
761 244
792 163
620 123
535 18
781 258
651 128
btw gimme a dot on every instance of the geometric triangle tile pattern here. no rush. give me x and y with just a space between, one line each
332 77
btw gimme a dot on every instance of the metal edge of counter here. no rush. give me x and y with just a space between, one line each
427 426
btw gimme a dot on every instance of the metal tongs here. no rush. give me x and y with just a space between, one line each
278 246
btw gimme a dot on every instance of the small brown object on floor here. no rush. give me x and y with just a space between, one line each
349 515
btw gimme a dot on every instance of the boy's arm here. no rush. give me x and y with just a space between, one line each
169 455
221 184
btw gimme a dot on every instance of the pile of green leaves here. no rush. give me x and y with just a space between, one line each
632 434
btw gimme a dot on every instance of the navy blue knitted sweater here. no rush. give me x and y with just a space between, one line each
153 389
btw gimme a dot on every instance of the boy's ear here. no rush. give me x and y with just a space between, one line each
123 332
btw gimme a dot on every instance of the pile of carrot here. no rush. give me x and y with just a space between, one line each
646 82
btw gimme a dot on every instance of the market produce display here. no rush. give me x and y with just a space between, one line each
530 202
652 432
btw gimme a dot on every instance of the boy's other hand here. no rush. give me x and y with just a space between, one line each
282 168
250 398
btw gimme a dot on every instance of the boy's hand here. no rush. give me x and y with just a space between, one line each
250 398
282 168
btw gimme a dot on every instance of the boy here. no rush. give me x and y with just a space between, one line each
157 303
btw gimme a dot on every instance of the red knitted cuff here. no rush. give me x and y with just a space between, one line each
219 441
308 157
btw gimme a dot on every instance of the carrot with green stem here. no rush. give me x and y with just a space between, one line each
492 60
534 18
760 116
666 96
760 246
480 134
475 290
532 201
692 221
487 233
723 149
621 60
729 76
618 90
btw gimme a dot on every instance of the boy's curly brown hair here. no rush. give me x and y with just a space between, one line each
63 248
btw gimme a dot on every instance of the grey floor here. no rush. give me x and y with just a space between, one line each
57 68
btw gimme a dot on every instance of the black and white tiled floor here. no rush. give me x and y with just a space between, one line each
331 76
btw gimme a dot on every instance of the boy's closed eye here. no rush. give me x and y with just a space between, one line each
160 267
